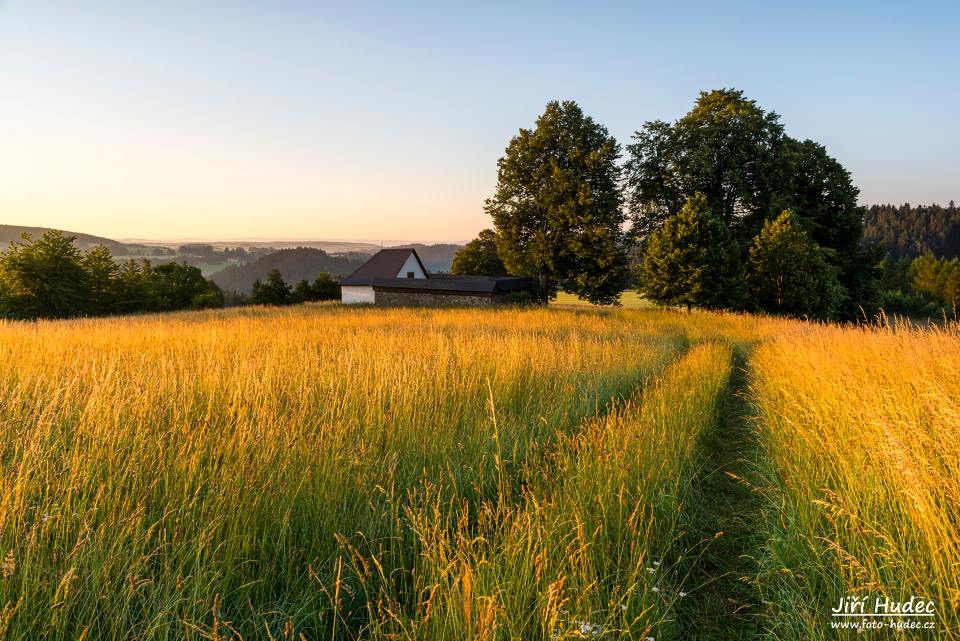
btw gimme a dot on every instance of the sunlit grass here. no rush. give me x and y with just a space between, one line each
582 545
630 299
465 474
862 432
301 469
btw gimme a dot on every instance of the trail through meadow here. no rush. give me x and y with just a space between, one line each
722 537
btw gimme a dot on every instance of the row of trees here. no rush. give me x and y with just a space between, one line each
296 264
695 260
50 278
275 290
568 213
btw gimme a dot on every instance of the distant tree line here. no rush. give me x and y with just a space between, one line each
275 291
718 210
295 265
49 277
913 231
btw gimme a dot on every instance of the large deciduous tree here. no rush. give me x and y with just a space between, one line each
557 206
479 257
725 148
738 156
692 260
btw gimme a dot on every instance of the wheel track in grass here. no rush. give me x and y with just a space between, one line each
723 527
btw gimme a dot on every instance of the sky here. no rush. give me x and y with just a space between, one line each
228 119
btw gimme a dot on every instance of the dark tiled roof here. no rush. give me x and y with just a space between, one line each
476 284
386 263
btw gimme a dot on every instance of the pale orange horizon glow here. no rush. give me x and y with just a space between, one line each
127 185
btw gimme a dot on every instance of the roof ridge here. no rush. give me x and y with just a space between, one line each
386 263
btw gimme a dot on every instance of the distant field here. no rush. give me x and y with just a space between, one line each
629 299
335 472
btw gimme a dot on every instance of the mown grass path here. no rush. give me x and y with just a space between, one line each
723 527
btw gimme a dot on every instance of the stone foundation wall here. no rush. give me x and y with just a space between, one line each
434 299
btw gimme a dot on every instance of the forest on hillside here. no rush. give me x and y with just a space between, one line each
906 231
301 263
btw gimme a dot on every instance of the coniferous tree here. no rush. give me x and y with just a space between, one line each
136 291
910 231
787 273
692 260
102 277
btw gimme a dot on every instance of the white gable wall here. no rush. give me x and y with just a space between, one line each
356 294
411 265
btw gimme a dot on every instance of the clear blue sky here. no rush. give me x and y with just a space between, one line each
227 119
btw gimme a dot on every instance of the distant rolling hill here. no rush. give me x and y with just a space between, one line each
294 262
10 233
436 258
301 263
329 246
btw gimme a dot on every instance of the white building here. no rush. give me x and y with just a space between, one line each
398 277
386 264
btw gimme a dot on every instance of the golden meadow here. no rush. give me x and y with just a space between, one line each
322 472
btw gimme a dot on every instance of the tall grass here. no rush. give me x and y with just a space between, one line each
861 428
581 549
249 472
325 472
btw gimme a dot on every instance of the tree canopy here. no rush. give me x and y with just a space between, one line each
557 206
479 257
43 278
737 155
322 288
273 291
725 148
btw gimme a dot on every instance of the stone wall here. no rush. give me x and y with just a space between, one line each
433 299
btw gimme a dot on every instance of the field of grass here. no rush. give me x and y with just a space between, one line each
325 472
862 435
630 299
